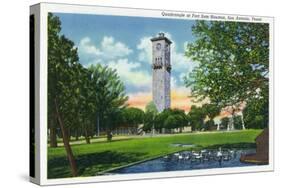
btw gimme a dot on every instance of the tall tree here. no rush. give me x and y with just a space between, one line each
237 121
108 94
61 55
151 113
256 114
161 118
209 124
53 37
224 122
196 116
133 117
81 103
211 111
233 62
178 121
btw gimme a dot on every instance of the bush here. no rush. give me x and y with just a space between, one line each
209 125
237 120
224 123
256 114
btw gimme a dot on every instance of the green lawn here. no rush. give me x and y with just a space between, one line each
101 156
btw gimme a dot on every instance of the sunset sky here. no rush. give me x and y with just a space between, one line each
123 43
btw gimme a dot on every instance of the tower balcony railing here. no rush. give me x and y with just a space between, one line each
157 66
160 66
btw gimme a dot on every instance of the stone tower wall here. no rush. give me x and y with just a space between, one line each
161 75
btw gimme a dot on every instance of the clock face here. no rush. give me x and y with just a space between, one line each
158 46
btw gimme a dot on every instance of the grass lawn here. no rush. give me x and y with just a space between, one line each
101 156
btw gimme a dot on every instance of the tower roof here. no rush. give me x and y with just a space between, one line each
161 36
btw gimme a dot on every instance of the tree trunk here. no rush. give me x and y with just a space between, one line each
153 128
67 147
76 135
109 135
53 137
53 134
87 136
69 134
98 125
218 127
230 125
242 119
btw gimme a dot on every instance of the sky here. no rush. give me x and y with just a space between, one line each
123 43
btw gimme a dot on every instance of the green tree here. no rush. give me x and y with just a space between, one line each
233 62
150 113
133 116
257 114
111 120
224 122
196 116
161 118
211 111
53 37
108 97
172 121
179 121
181 118
148 122
84 106
209 124
237 121
61 56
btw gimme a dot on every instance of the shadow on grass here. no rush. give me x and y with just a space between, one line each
90 164
114 140
83 142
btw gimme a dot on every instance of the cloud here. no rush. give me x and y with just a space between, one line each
145 49
173 82
182 77
115 54
132 73
86 47
108 49
178 59
135 70
114 49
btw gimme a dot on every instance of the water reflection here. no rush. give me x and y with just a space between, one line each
189 160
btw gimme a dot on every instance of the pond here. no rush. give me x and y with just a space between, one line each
190 160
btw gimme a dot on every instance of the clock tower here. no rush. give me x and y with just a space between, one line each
161 72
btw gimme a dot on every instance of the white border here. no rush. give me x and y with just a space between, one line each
101 10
